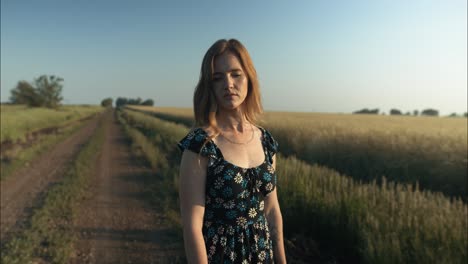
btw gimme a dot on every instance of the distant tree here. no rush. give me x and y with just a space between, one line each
465 114
120 102
50 90
106 102
367 111
453 115
430 112
25 93
148 102
395 112
133 101
408 113
47 92
362 111
415 112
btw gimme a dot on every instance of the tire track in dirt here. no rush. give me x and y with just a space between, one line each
25 188
116 224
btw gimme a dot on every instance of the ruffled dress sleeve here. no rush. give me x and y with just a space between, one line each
271 145
197 141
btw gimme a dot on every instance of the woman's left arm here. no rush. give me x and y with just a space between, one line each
275 223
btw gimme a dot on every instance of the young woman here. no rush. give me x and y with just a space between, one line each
229 205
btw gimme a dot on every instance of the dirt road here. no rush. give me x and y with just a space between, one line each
24 189
116 223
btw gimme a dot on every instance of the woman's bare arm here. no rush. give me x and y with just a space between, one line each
275 223
192 204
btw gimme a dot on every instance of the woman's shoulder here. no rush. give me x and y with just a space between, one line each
197 131
205 130
265 132
196 134
197 140
268 139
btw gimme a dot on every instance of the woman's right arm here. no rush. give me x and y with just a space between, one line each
192 204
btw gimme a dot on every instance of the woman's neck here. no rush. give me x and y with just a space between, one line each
234 121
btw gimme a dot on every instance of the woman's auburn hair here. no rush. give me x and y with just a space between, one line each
204 100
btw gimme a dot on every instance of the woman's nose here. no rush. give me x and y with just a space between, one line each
228 82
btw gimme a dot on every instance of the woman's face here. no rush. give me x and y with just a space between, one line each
230 83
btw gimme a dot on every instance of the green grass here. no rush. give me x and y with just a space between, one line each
18 122
49 235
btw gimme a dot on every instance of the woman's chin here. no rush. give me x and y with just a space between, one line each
230 106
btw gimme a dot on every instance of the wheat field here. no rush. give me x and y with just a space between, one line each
379 220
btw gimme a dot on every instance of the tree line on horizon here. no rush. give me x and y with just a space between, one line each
394 111
121 101
46 91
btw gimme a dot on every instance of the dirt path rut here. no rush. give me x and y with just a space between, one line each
24 189
116 224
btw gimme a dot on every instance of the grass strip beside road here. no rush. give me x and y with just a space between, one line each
163 190
45 143
48 237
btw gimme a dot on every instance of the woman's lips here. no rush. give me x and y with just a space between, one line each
230 96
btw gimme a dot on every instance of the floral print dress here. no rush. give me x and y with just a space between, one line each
235 229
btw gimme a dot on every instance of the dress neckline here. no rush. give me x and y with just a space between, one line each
262 141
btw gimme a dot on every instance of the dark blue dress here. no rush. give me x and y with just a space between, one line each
234 226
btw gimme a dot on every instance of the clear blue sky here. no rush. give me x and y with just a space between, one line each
321 56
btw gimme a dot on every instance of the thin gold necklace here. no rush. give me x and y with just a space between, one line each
240 143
